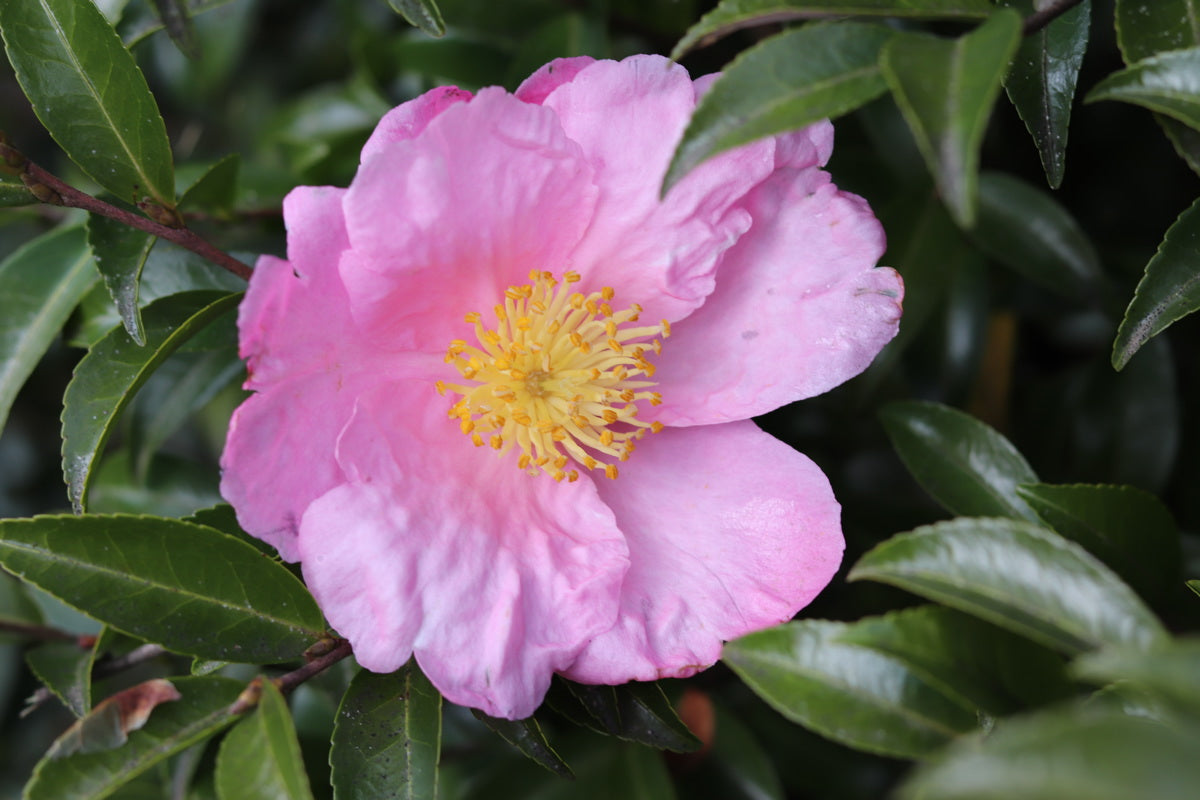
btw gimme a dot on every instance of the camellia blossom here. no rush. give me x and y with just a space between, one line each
503 392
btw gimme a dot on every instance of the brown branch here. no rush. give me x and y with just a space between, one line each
324 654
167 224
1040 19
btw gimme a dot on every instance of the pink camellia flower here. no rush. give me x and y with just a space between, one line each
502 392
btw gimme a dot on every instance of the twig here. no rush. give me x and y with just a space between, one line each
166 225
332 651
42 632
1040 19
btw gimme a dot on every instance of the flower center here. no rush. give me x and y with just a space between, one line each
559 378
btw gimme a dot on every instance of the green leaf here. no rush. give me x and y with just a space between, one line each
993 671
182 386
637 712
1041 84
1169 672
16 608
946 90
1017 576
735 768
1128 529
41 284
14 193
214 189
526 735
789 81
260 758
191 589
732 15
178 22
604 770
1168 83
120 253
91 96
965 465
106 379
852 694
1098 754
202 711
1028 231
1194 585
387 738
423 14
1146 29
169 270
66 669
1169 290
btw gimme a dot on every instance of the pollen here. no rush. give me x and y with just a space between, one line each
559 378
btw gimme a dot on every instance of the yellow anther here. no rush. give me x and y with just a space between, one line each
564 368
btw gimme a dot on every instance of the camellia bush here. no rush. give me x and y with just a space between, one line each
741 399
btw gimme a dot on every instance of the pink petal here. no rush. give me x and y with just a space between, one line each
291 307
442 224
798 309
729 531
537 86
494 578
628 116
279 456
408 120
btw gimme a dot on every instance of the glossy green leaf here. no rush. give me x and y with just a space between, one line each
1147 29
1194 585
1170 672
201 712
120 253
14 193
946 90
636 712
1128 529
260 758
422 14
1168 83
1027 230
192 589
1169 290
732 15
169 270
1018 576
387 738
91 96
182 386
991 670
1041 84
66 670
1098 754
786 82
106 379
41 284
965 465
526 735
852 694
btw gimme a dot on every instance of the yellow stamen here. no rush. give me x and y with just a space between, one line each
559 378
